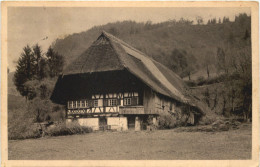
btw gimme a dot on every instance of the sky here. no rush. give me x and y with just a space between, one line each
31 25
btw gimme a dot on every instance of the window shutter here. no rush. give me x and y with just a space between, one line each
105 102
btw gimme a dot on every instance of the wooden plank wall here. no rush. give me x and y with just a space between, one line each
148 101
163 104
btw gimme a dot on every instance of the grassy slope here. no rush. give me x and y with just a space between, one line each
157 145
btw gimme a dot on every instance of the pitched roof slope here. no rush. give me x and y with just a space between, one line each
109 53
100 56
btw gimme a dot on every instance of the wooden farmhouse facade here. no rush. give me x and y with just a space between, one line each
113 85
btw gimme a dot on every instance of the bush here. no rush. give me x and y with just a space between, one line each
202 81
57 116
71 128
23 129
191 83
20 123
205 121
167 121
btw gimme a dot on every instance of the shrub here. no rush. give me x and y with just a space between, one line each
191 83
20 124
205 120
167 121
71 128
45 110
57 116
201 81
23 129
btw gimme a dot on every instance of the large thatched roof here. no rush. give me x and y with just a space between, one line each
109 53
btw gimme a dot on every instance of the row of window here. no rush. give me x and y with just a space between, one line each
103 102
115 95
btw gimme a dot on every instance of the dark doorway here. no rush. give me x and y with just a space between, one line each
131 122
102 123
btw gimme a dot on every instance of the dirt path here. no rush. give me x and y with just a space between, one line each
130 145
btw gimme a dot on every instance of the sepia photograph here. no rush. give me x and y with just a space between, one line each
129 83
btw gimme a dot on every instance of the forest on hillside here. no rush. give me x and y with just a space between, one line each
214 59
184 47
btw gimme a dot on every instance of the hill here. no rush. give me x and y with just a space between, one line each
159 40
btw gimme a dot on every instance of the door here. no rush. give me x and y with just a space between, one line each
102 123
131 122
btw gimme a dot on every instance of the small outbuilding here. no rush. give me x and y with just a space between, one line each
115 86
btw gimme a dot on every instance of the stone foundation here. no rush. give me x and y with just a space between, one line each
137 124
89 122
115 123
118 123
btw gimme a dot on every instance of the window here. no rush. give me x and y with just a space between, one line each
78 104
95 103
74 104
70 104
83 104
112 102
127 101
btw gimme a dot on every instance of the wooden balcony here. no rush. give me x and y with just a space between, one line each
131 110
108 111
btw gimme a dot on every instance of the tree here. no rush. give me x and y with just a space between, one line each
242 19
183 21
231 38
179 62
148 25
224 110
225 20
219 21
208 60
43 69
215 92
244 82
238 82
214 21
40 65
199 20
231 93
39 96
25 71
182 62
114 31
207 96
191 64
247 35
222 60
55 62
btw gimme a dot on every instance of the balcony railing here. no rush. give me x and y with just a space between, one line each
131 110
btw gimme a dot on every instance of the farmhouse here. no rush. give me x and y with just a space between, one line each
115 86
